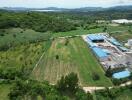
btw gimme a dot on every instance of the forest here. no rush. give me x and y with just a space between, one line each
57 22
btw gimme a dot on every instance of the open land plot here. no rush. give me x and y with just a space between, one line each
74 56
124 36
117 28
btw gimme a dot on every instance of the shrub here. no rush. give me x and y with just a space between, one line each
95 76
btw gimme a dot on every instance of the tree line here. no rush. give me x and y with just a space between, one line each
67 87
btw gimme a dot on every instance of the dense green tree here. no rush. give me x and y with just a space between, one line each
81 95
36 21
72 81
61 84
108 72
68 83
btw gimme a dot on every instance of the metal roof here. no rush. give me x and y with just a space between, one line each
122 74
115 42
91 44
123 48
95 37
99 52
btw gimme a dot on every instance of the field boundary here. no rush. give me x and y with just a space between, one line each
38 61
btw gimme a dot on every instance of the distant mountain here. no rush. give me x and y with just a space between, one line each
121 8
15 8
83 9
89 8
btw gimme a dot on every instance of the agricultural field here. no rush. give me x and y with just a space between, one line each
70 55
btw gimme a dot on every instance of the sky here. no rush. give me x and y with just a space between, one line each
63 3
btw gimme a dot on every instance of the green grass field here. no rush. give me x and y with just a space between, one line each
117 28
4 90
18 36
74 57
79 31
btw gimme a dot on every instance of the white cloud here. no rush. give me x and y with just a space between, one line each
63 3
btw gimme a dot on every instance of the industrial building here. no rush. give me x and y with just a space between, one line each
95 38
109 52
92 39
121 21
100 54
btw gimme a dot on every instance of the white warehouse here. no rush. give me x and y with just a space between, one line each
121 21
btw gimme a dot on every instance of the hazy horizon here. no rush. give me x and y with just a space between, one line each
64 3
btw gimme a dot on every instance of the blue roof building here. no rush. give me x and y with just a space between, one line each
100 53
95 37
90 43
122 74
115 42
124 49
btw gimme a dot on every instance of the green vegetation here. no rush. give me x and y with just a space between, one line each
16 37
24 55
68 83
33 90
73 57
41 22
122 36
122 93
18 59
4 90
79 31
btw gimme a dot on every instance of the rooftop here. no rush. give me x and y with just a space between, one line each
122 21
99 52
95 37
115 42
122 74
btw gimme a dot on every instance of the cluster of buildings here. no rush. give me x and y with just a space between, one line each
118 21
110 52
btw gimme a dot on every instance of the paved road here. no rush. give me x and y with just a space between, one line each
92 89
